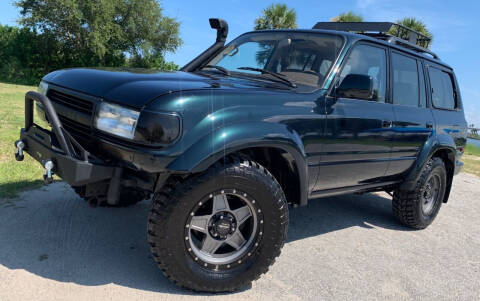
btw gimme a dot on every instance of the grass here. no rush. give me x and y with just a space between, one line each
472 150
471 158
17 176
14 176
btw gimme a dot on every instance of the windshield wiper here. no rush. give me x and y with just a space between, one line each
219 68
274 74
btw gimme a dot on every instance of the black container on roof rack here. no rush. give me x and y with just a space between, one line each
404 36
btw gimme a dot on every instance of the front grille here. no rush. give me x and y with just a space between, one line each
76 128
82 133
70 105
71 101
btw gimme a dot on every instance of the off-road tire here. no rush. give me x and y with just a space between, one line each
407 205
128 197
171 207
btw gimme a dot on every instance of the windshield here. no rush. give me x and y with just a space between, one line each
304 58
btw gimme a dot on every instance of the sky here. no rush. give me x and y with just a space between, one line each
454 24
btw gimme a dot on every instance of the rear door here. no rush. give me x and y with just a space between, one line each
358 138
414 121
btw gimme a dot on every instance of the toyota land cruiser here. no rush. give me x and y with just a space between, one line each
273 118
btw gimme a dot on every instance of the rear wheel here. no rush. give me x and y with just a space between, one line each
419 207
220 230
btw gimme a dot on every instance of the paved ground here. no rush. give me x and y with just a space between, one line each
53 246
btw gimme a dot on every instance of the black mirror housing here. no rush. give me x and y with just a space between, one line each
358 86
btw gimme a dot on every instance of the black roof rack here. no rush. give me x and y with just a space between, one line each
404 36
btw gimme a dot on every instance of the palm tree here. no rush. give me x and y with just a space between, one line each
347 17
414 24
277 16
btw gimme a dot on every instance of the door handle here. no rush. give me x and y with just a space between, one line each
386 123
429 125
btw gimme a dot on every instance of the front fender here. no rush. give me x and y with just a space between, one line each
434 144
235 137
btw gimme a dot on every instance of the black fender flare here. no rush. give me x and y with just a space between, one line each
433 145
236 137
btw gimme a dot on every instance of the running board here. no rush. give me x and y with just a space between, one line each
350 189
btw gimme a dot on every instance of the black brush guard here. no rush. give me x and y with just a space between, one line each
70 160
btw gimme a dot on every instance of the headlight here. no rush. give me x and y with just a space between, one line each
39 110
42 88
157 128
116 120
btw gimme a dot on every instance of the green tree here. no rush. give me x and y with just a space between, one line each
25 55
104 32
411 23
276 16
347 17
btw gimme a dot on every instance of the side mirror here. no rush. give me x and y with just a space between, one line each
357 86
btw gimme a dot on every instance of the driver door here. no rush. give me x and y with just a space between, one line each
358 137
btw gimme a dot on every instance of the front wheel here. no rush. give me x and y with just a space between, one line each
418 208
220 230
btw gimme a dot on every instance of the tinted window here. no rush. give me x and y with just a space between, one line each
304 58
442 89
372 61
249 54
405 80
423 97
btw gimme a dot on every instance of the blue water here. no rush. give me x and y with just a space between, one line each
474 142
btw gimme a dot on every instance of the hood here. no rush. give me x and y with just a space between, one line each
136 88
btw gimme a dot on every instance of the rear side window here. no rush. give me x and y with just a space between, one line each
405 80
443 95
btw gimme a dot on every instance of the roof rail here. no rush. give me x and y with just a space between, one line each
401 35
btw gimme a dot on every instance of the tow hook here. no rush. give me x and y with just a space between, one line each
19 146
48 173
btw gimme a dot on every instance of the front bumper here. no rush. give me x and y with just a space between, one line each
71 162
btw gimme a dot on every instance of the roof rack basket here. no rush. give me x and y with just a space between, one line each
388 31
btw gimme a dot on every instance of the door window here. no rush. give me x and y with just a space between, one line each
405 80
443 95
372 61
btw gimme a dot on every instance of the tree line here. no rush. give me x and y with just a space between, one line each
278 16
56 34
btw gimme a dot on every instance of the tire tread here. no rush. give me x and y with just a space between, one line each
165 202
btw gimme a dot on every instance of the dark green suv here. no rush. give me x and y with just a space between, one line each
272 118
